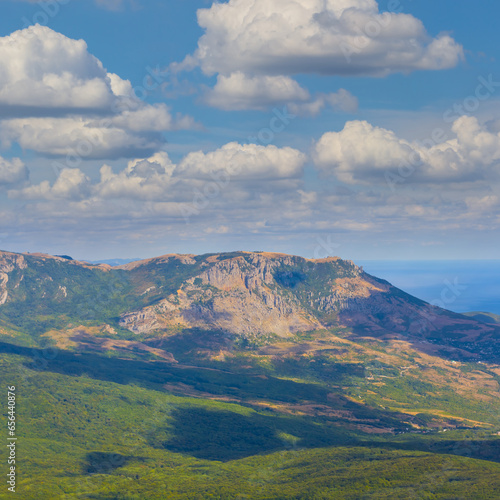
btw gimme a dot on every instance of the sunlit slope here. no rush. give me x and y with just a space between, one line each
246 295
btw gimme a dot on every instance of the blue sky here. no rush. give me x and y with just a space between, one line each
312 127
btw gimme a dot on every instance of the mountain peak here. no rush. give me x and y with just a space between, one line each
243 294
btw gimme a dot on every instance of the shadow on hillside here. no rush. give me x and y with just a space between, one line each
224 435
105 463
488 450
188 343
154 375
227 435
219 435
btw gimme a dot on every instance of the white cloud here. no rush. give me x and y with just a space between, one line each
72 184
40 68
482 203
339 101
142 180
57 99
474 142
12 172
238 91
157 178
347 37
120 87
241 92
248 161
151 118
364 154
255 46
78 137
360 151
147 179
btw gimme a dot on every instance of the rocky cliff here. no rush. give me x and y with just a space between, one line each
238 295
8 263
261 293
241 294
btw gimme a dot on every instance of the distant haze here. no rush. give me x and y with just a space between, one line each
426 280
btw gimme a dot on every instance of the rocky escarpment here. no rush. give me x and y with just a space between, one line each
237 295
251 293
265 293
8 263
262 293
240 293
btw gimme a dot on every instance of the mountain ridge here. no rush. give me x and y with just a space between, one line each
250 353
246 294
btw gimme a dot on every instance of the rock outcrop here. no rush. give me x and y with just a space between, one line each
253 294
241 293
8 263
235 295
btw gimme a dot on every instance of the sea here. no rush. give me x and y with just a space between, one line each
458 285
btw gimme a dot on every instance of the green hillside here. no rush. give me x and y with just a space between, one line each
83 437
331 411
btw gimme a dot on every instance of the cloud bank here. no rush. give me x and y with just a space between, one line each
364 154
57 99
256 46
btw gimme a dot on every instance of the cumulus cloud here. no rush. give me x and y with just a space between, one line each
43 69
153 199
12 172
360 151
238 91
248 161
146 179
77 137
342 100
56 98
142 180
157 178
255 46
155 117
363 154
71 184
241 92
347 37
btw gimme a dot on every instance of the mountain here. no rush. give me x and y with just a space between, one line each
113 262
484 317
244 375
251 295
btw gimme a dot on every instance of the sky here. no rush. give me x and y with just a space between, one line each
364 129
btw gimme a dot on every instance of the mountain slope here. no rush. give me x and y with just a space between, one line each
251 374
252 295
484 317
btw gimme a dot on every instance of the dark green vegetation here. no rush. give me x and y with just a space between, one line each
82 436
326 414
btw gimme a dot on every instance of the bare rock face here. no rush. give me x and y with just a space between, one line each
165 314
253 294
246 294
8 262
234 295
